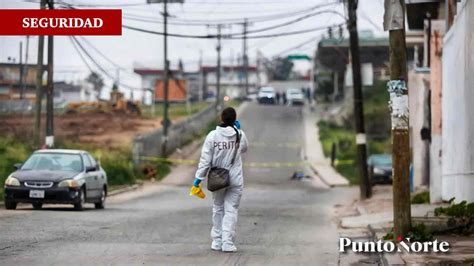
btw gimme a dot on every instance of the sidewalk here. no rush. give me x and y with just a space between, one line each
373 218
314 152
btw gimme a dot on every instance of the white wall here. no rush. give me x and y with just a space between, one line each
458 107
417 84
231 78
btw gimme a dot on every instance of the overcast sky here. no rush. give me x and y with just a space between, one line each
136 48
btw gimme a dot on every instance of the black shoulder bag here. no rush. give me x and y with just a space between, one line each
219 178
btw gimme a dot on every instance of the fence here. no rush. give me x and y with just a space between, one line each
178 135
15 106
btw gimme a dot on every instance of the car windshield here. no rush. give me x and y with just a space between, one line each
382 160
54 162
267 90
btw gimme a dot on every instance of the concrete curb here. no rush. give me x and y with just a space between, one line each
386 259
331 182
110 194
314 153
123 190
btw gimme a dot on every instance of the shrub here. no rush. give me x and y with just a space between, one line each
420 198
11 153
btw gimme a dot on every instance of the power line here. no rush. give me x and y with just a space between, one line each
312 39
235 36
260 18
100 53
221 21
286 23
80 54
296 20
100 67
141 3
170 34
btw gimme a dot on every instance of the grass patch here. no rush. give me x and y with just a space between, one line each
175 109
346 157
377 125
421 198
11 153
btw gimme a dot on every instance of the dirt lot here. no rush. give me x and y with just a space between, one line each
101 129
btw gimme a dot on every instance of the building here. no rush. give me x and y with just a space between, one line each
73 93
332 60
457 180
232 80
178 88
10 85
441 98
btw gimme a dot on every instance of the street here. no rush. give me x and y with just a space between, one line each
281 221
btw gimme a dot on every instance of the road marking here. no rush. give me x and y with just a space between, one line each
249 165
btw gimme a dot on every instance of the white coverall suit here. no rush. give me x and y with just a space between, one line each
217 151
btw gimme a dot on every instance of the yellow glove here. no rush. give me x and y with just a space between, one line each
197 191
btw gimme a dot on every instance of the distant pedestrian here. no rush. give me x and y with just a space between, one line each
277 96
284 98
221 152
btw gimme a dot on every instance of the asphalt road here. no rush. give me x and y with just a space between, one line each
281 221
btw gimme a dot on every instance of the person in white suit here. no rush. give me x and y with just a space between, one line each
217 151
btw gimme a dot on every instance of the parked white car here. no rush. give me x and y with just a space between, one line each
266 95
294 97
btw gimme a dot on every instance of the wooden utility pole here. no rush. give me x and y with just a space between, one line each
245 57
394 23
218 71
50 90
361 140
22 92
39 86
25 65
166 122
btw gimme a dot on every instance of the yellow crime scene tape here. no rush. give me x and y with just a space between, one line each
278 145
344 162
250 165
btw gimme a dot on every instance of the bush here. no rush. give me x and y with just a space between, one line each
10 154
420 198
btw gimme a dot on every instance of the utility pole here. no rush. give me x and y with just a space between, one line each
218 67
22 92
394 22
166 121
50 90
218 73
361 140
25 65
245 57
39 86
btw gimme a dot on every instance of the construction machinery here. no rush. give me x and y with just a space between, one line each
117 103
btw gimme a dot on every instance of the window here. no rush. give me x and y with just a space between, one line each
93 161
53 162
87 161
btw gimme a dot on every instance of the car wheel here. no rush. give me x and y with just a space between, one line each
101 203
10 205
37 205
82 200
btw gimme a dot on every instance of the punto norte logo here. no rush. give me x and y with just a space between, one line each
389 246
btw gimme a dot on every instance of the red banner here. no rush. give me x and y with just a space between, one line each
61 22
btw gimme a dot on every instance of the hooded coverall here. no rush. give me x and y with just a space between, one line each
217 151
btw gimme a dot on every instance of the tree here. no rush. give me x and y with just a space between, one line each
96 80
279 68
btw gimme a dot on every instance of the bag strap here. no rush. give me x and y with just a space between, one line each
237 145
